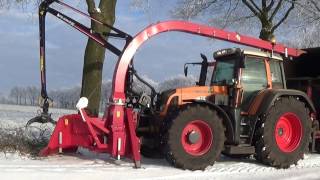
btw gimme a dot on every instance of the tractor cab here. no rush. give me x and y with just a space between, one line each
237 77
246 73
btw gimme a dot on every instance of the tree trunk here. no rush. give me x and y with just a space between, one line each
94 56
266 32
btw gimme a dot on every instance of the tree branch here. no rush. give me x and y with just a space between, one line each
252 9
315 5
229 12
284 17
270 5
276 10
256 6
264 4
208 4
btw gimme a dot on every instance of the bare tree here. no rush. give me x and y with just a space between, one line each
32 94
65 98
20 3
309 11
310 29
104 11
15 94
269 13
95 54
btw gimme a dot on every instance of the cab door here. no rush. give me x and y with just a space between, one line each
253 79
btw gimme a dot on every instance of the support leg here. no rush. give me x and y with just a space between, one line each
134 140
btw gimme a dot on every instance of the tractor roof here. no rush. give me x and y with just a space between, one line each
261 54
233 51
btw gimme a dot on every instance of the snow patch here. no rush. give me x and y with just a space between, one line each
87 165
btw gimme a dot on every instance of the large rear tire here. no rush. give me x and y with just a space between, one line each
284 133
194 138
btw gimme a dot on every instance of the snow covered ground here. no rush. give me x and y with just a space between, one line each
86 165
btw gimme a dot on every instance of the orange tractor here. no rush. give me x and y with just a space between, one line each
245 108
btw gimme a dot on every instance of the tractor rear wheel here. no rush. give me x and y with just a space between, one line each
194 138
284 133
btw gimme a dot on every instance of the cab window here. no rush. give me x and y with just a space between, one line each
254 76
253 79
276 74
223 72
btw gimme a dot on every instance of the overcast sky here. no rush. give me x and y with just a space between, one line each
160 58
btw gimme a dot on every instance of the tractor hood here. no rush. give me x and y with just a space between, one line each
200 93
184 95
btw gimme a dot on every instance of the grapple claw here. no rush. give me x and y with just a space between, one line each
42 118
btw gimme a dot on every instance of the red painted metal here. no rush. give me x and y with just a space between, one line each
70 132
134 140
288 132
205 139
121 69
81 130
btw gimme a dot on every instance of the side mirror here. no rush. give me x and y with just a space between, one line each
204 57
185 70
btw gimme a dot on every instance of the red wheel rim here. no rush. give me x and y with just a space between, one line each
288 132
197 138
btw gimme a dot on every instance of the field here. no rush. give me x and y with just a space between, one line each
85 165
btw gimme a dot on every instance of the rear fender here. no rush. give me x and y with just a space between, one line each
273 95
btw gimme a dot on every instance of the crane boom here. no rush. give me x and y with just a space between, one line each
191 28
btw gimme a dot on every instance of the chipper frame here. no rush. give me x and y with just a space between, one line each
115 132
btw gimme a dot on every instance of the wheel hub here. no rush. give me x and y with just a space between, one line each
197 138
288 132
193 137
280 131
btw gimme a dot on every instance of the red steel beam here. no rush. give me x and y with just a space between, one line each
121 69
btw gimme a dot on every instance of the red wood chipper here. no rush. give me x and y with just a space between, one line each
246 109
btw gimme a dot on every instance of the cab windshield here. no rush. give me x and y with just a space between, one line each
223 72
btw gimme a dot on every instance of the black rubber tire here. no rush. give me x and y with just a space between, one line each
173 149
267 150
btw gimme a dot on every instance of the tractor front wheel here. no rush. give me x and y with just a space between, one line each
194 138
284 133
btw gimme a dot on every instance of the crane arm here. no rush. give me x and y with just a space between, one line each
119 77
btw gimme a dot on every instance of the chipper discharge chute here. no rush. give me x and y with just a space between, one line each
155 120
